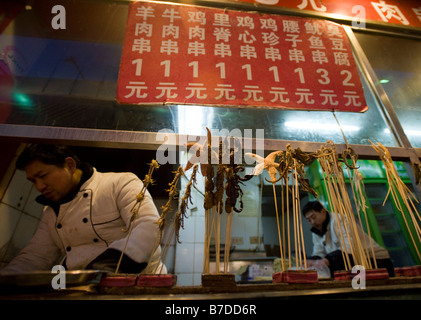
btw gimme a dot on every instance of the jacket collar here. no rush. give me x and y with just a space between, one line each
324 227
87 171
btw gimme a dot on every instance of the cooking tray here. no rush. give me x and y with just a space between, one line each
44 278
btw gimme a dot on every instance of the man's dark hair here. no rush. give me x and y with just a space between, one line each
46 153
312 205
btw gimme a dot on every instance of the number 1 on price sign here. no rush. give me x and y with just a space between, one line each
248 71
166 64
275 71
195 65
138 63
221 67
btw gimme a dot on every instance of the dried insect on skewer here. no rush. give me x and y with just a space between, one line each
218 203
135 209
162 221
208 201
233 192
185 200
172 195
220 176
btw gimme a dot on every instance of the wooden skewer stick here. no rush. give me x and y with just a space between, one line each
228 240
218 237
279 230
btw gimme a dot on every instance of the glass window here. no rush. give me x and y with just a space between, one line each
397 64
68 78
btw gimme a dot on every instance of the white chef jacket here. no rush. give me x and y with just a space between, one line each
95 220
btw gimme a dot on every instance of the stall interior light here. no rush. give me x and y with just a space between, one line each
383 81
310 125
407 132
22 100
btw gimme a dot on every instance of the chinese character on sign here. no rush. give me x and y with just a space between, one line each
388 12
171 14
272 53
198 17
245 22
225 91
141 45
136 89
314 6
145 12
270 38
329 97
196 90
278 95
269 24
352 98
222 50
167 90
417 12
143 28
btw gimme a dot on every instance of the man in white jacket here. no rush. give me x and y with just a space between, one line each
329 246
86 216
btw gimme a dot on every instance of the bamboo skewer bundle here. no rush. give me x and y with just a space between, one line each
398 190
357 186
290 167
135 209
271 166
341 207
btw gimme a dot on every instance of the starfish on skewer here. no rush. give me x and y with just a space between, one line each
267 163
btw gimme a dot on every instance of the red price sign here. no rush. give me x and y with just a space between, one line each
183 54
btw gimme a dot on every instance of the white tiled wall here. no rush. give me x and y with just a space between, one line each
19 216
246 226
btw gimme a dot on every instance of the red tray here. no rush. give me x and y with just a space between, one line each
370 274
118 281
292 276
158 280
412 271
